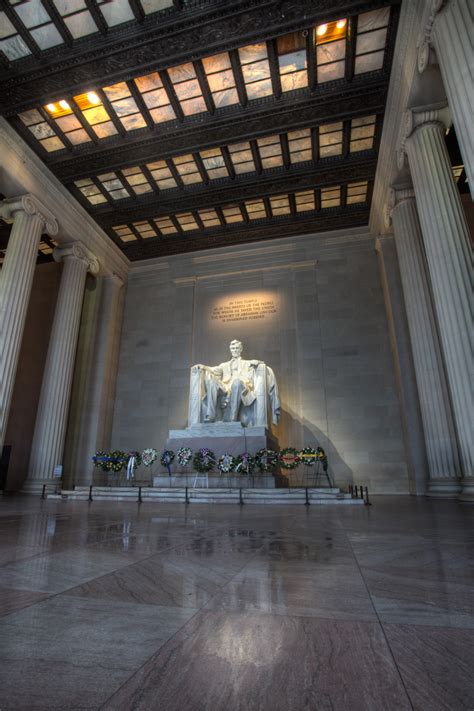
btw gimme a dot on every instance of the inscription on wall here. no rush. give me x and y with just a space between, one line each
249 308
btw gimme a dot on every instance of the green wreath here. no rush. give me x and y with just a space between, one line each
266 460
308 456
245 464
289 458
226 463
204 460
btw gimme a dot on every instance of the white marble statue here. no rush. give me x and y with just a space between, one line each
237 390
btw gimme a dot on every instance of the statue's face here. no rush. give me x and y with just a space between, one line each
236 348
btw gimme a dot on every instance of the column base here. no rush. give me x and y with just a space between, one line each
443 488
35 486
467 491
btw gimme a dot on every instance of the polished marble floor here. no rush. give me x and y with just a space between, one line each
261 608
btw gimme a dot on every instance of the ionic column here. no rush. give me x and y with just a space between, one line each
440 438
450 29
30 218
51 419
448 254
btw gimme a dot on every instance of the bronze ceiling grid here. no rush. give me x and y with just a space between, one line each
352 96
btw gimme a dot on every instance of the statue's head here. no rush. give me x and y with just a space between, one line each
236 348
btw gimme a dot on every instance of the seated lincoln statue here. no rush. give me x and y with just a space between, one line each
235 391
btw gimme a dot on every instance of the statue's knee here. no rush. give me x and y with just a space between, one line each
236 386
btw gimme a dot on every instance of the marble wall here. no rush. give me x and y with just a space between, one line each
310 307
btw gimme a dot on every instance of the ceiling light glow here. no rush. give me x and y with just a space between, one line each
64 105
322 29
93 98
51 107
341 24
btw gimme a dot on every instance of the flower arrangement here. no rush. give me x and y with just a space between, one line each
204 460
167 458
135 456
308 456
289 458
109 461
266 460
149 457
226 463
184 456
245 464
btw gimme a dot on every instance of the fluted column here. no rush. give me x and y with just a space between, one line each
441 448
50 428
450 29
30 218
449 256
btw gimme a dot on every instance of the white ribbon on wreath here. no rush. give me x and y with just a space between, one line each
130 468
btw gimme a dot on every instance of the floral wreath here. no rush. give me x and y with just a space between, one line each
109 461
167 457
204 460
266 460
184 456
226 463
149 456
245 464
136 456
289 458
322 457
308 456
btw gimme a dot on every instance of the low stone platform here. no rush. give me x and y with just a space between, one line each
282 497
216 482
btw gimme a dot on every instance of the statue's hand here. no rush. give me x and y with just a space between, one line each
197 367
255 363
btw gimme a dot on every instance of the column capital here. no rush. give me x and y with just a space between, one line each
414 119
424 44
396 195
32 206
76 250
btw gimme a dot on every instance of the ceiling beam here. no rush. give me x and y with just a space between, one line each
147 207
161 41
275 117
354 216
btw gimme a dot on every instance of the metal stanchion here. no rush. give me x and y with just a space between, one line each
366 500
306 503
241 500
90 493
43 493
186 499
139 494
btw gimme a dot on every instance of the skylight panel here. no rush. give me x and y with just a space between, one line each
155 97
144 229
362 133
292 61
256 209
242 158
299 143
280 205
221 79
305 201
331 197
214 163
357 192
125 106
162 175
90 191
116 12
114 186
41 130
209 218
165 225
187 169
150 6
330 139
124 233
37 20
90 105
137 180
11 44
330 40
79 24
187 222
256 70
270 151
371 39
232 213
187 89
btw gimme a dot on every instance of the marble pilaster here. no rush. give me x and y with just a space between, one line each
448 254
450 30
92 401
440 438
30 218
51 419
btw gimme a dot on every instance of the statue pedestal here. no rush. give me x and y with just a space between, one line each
221 438
226 481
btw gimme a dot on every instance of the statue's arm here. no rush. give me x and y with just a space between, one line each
212 369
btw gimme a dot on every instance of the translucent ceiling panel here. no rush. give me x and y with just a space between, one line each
330 40
362 133
214 163
187 222
187 169
155 97
330 139
137 180
162 175
150 6
41 130
37 20
270 151
256 209
95 114
232 213
256 70
305 201
125 106
357 192
187 89
209 218
371 40
80 24
114 186
125 233
221 79
165 225
145 229
241 157
299 143
292 61
90 191
331 197
115 12
280 205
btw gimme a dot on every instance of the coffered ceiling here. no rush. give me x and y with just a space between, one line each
187 124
